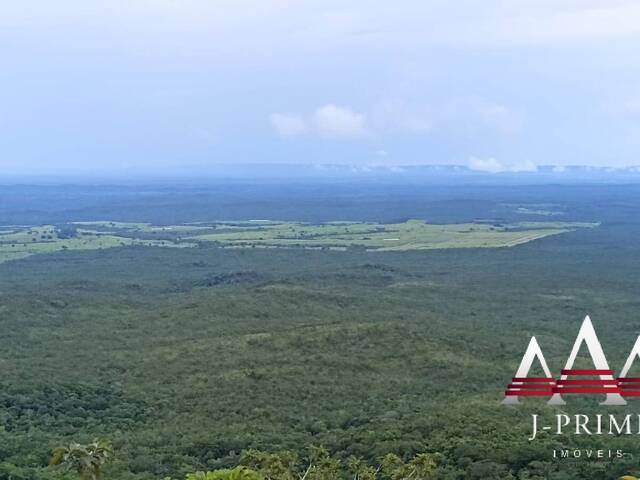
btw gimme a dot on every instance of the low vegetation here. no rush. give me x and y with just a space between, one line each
21 242
410 235
87 462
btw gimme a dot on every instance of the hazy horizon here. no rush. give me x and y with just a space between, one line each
319 174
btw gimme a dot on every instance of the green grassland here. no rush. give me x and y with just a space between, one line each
46 239
410 235
141 227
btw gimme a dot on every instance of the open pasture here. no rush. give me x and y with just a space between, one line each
22 242
47 239
410 235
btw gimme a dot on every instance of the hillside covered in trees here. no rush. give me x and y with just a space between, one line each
210 358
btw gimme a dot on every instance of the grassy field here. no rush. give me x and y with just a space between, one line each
25 242
142 227
21 242
410 235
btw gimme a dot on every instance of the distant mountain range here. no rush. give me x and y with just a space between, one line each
428 174
421 173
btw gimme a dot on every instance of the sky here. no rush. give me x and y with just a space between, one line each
139 86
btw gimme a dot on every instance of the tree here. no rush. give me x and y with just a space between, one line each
281 465
322 466
360 470
423 466
238 473
85 460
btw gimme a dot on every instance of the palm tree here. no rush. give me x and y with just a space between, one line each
238 473
85 460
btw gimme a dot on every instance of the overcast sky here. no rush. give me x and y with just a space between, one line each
117 86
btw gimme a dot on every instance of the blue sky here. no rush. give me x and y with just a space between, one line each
149 86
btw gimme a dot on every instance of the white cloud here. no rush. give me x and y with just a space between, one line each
474 112
491 165
287 125
330 121
334 121
396 116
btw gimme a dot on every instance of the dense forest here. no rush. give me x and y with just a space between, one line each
357 364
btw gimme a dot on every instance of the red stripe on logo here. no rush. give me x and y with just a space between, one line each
528 393
564 390
586 372
533 379
530 386
587 382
